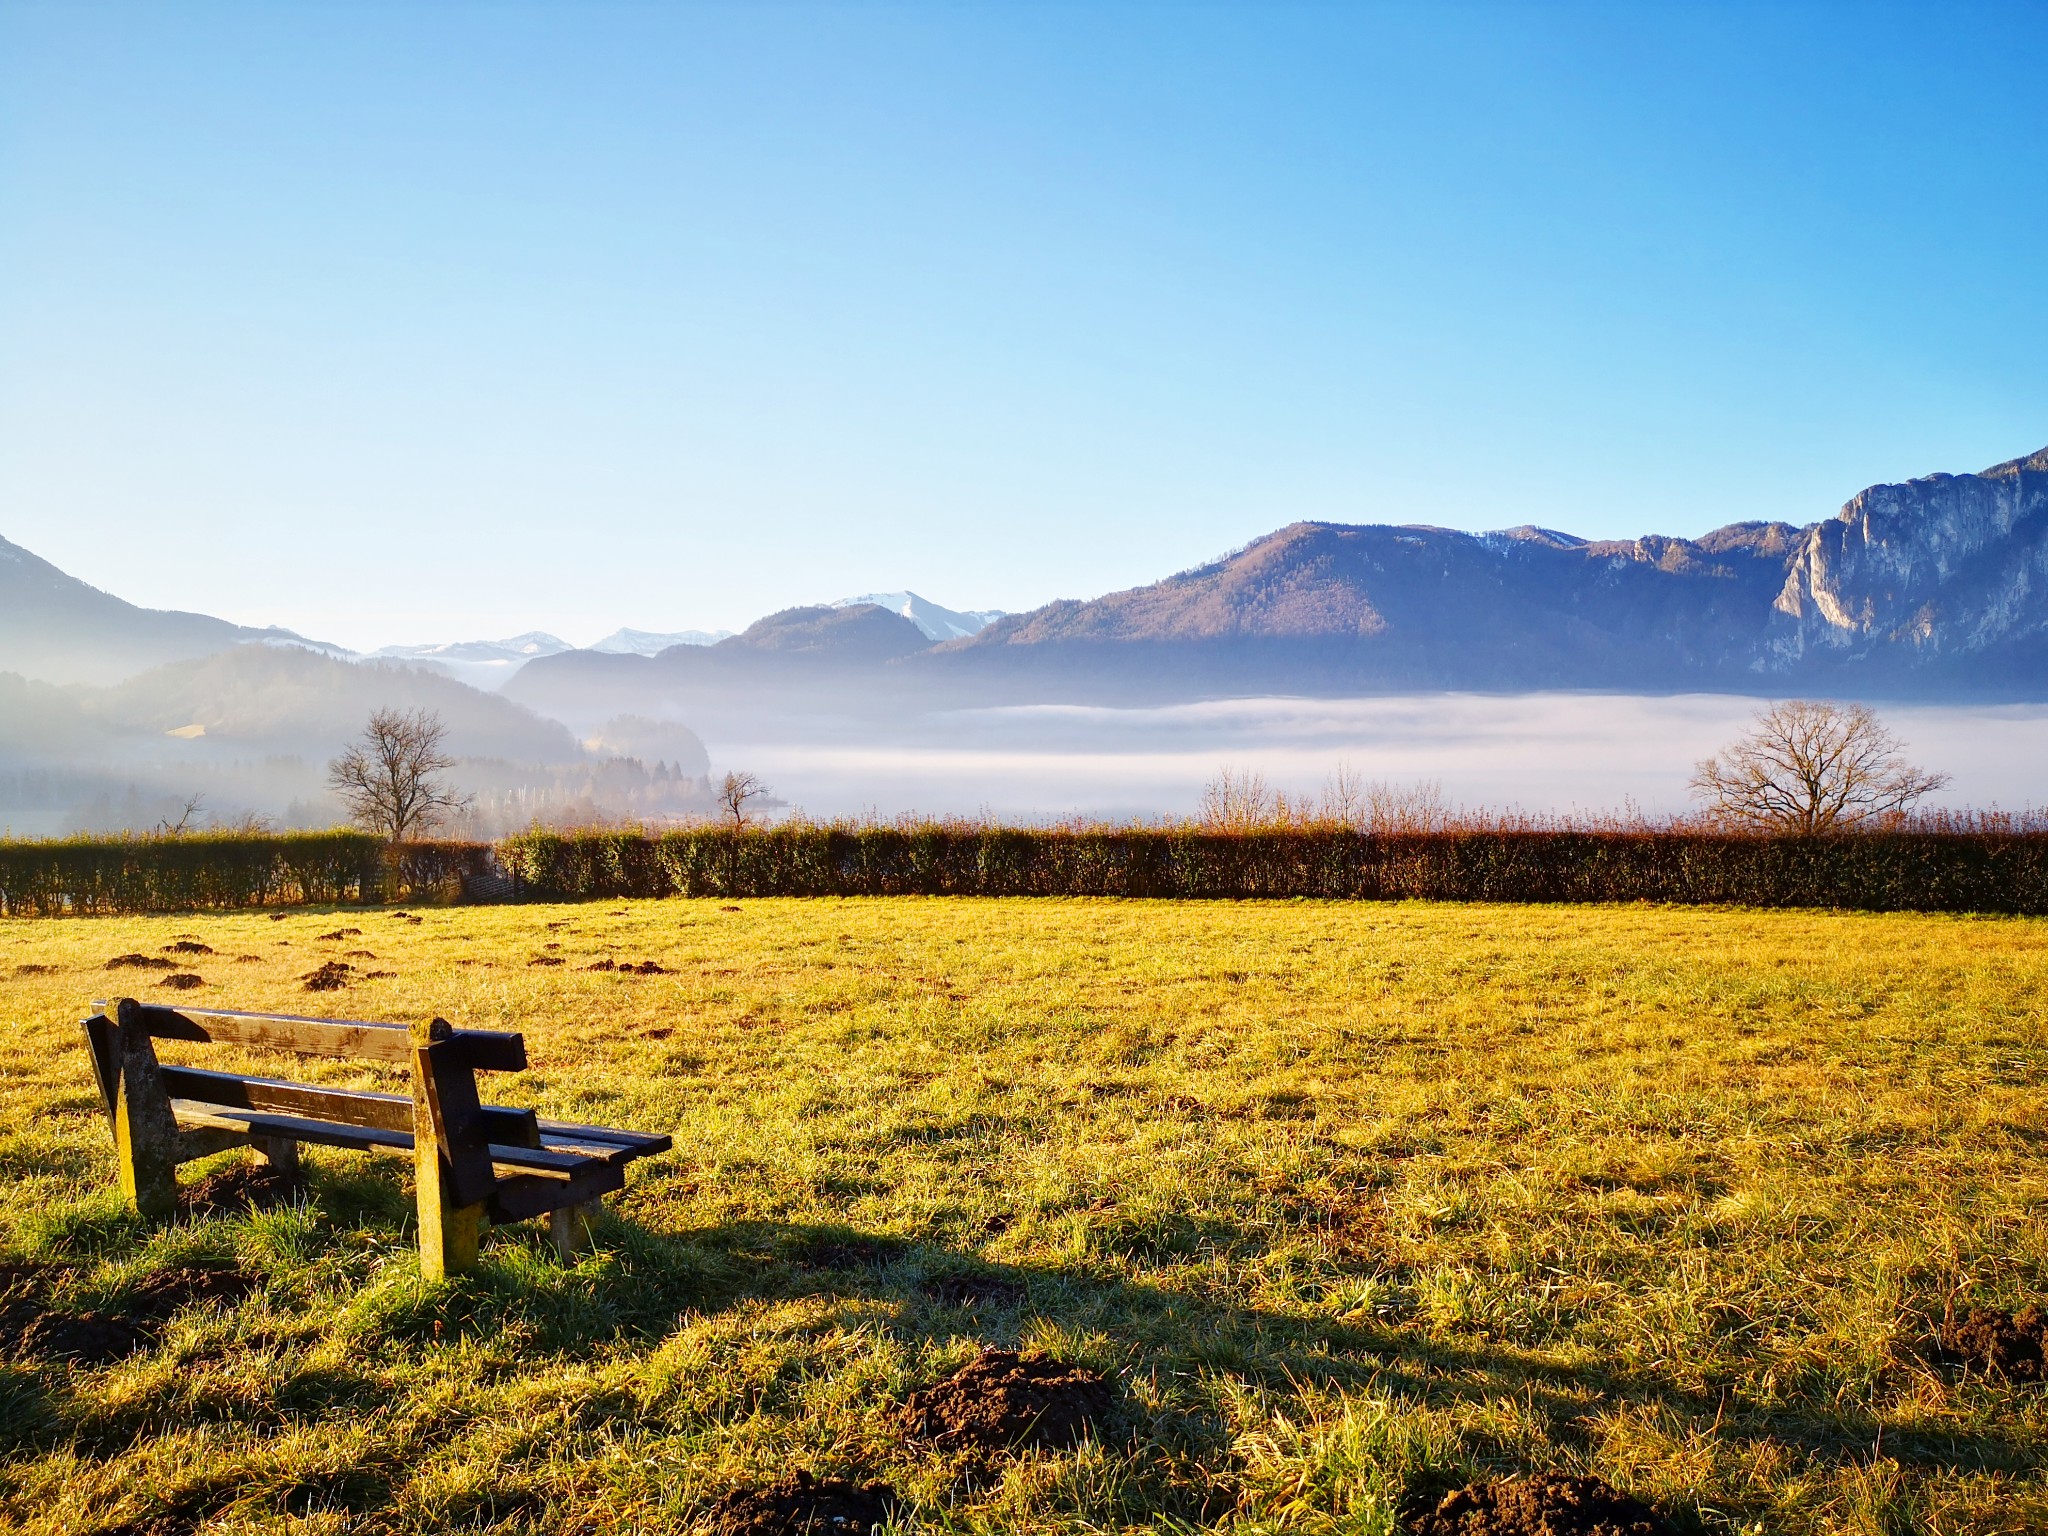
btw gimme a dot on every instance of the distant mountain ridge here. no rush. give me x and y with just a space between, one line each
58 629
1936 587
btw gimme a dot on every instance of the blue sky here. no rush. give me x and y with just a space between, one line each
396 322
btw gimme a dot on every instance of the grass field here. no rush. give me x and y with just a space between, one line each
1345 1198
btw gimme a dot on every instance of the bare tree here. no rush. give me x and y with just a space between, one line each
1808 768
178 828
1236 800
734 791
392 778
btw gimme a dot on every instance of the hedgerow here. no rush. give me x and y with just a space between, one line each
1879 871
98 875
1900 870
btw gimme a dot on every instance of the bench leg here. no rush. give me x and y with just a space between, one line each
145 1130
574 1228
279 1153
449 1233
449 1229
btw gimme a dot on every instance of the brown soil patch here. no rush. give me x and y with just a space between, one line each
547 960
378 975
277 917
972 1291
36 970
800 1505
358 954
90 1338
155 1525
602 965
406 915
189 1285
140 963
620 913
1000 1399
242 1187
341 933
182 981
644 968
728 909
331 977
187 947
1999 1342
1548 1504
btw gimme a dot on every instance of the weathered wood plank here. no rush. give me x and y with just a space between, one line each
639 1143
195 1142
517 1199
342 1106
145 1130
322 1133
484 1050
451 1226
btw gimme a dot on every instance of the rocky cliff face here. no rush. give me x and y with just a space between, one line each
1944 568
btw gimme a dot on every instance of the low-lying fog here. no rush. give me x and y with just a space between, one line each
1539 752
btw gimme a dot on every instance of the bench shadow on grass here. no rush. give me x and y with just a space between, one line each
945 1295
643 1282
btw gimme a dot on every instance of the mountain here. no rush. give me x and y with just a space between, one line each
1946 575
802 659
641 642
1934 588
55 628
274 700
936 622
480 663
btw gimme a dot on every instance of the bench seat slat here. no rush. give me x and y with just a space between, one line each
542 1161
341 1106
642 1143
321 1133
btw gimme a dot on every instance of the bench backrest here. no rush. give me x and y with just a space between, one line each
444 1067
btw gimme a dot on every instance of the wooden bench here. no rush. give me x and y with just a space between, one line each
473 1161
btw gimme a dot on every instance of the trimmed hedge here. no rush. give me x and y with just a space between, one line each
1879 871
98 875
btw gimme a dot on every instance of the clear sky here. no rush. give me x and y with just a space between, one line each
421 322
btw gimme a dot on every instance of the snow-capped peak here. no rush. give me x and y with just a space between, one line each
938 623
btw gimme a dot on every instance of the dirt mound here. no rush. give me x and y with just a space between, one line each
357 954
33 969
848 1253
278 917
999 1399
546 960
331 977
341 933
971 1291
155 1525
159 1295
140 963
1548 1504
2000 1342
602 965
644 968
728 909
187 947
406 915
242 1187
182 981
800 1505
90 1338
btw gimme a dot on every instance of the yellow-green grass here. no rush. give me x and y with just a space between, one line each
1347 1198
